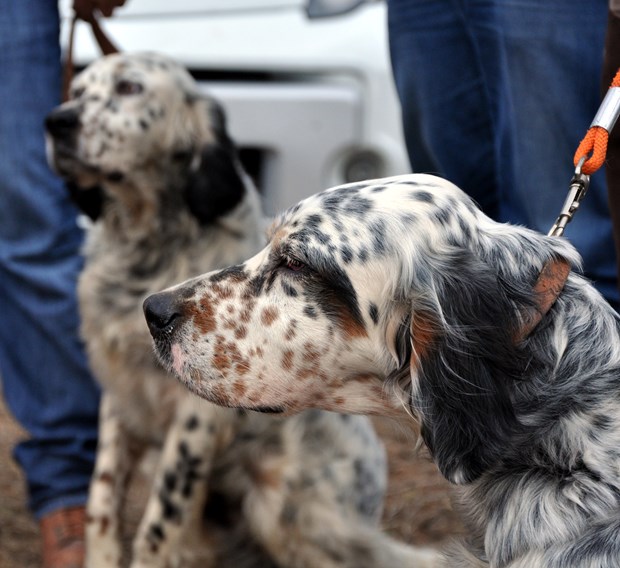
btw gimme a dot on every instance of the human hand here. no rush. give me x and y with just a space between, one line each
85 8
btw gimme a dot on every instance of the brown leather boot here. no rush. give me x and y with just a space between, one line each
62 532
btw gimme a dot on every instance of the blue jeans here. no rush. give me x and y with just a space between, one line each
45 378
496 96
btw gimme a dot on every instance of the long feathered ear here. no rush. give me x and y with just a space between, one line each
216 181
464 363
474 339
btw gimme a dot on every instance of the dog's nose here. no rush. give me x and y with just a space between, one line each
162 312
62 122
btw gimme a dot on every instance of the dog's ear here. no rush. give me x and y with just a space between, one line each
216 182
463 364
88 200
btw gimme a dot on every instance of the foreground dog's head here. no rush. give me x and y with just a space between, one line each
370 296
136 125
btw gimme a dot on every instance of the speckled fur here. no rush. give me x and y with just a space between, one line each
399 295
150 161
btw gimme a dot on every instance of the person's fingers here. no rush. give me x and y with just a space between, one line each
85 8
107 7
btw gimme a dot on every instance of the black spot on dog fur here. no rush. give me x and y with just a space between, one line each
236 273
170 511
289 290
347 254
156 533
373 312
170 481
310 311
192 423
423 196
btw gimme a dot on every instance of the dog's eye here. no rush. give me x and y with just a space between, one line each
294 264
124 87
77 93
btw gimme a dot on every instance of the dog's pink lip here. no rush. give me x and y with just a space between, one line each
178 358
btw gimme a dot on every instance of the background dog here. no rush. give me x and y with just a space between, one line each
151 162
412 299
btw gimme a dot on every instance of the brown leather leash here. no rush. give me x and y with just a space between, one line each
106 47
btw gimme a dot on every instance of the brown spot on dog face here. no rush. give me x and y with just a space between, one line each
311 355
254 397
350 326
246 312
242 368
221 362
305 373
239 388
203 315
291 331
268 316
222 292
221 359
287 360
227 356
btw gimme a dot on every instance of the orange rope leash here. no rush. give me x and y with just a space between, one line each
594 145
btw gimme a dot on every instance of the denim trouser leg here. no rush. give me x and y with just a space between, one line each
45 378
496 95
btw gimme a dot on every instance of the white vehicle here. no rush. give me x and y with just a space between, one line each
306 84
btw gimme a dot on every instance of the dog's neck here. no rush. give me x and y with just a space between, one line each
547 289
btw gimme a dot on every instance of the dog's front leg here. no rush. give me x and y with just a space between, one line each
107 489
179 489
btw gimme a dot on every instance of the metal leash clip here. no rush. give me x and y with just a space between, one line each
578 188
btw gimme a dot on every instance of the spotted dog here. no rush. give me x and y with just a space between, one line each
148 158
399 295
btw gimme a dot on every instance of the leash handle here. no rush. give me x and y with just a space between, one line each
106 46
576 192
593 147
590 155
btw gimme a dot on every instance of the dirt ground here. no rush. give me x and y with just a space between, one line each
417 508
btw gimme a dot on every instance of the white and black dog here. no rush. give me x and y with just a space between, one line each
169 199
399 294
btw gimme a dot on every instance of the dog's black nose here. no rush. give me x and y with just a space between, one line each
62 122
162 312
